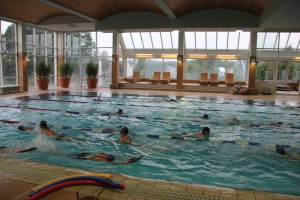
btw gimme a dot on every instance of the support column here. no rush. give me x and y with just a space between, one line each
60 52
115 59
252 67
252 72
180 61
22 57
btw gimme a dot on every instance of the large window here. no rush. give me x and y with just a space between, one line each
83 47
151 40
217 40
8 54
40 47
194 67
147 66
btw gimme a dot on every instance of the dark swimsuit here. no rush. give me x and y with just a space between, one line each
85 156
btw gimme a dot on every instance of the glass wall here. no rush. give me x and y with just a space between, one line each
40 47
194 67
8 54
84 47
147 66
265 71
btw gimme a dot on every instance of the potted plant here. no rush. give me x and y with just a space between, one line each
65 71
91 70
42 72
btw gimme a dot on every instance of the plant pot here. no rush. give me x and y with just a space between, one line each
92 82
64 82
42 83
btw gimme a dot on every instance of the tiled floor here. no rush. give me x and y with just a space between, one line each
18 177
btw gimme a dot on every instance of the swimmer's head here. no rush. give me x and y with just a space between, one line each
205 130
205 116
120 111
124 130
280 149
22 128
43 124
280 123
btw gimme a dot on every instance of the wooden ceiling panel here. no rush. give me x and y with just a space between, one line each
181 7
31 11
99 9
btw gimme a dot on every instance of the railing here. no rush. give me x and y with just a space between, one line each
81 85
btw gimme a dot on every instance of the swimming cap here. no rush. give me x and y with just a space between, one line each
124 130
280 149
22 128
43 124
205 116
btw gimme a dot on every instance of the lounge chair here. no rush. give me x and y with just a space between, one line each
203 79
213 80
156 78
166 78
135 78
229 79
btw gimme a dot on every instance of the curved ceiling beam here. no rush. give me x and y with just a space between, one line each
68 10
165 8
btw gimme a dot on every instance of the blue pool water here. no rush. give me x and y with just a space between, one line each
213 162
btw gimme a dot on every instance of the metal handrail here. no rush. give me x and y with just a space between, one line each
80 85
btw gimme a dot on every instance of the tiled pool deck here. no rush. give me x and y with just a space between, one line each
18 177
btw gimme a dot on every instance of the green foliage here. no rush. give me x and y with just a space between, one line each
66 70
42 70
91 70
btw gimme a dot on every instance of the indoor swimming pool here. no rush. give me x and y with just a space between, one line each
237 154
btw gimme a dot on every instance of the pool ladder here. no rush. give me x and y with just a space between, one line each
81 85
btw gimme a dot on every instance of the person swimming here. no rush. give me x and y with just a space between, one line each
281 150
104 157
205 132
268 124
99 97
125 138
4 149
205 116
44 129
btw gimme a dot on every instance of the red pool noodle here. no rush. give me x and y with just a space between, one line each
64 185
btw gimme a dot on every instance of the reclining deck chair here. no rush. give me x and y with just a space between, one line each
214 79
230 79
203 79
156 78
166 78
135 78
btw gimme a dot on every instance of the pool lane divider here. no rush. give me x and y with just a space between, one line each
96 130
206 100
135 117
55 100
122 104
239 142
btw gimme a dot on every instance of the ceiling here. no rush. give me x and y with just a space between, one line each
145 15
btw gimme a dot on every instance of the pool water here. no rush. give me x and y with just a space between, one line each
216 162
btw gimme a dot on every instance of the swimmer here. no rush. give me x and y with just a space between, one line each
281 150
125 138
104 157
205 116
98 99
46 131
232 120
118 113
205 132
4 149
268 124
